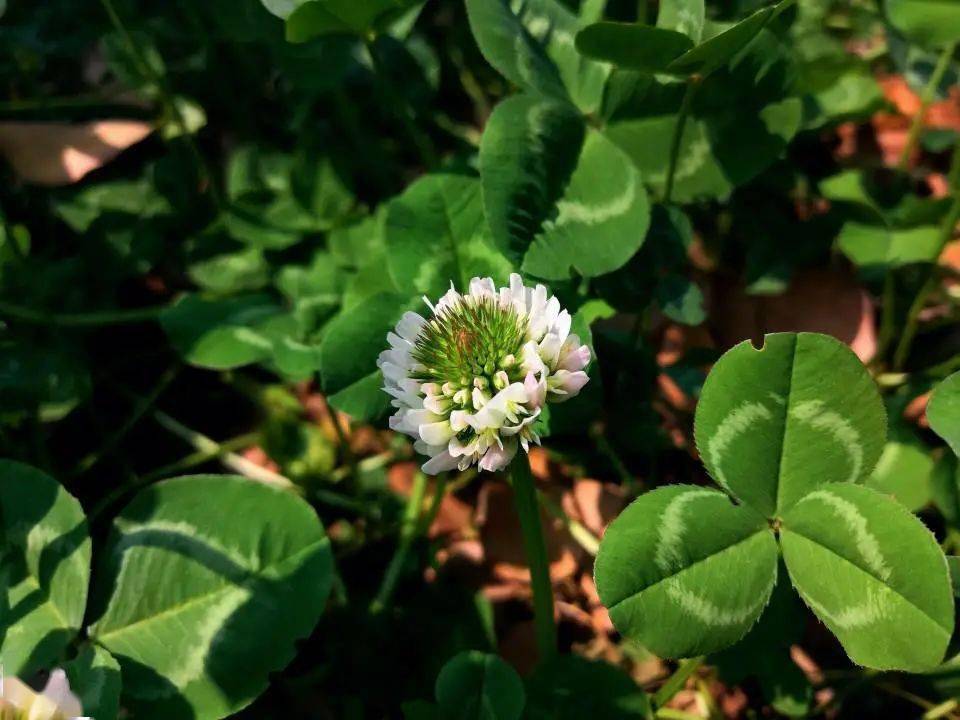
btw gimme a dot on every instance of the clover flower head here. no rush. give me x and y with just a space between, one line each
470 380
20 702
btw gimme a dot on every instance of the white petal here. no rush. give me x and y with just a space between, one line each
497 458
440 463
567 384
409 326
549 349
561 326
482 287
536 389
58 691
437 433
576 358
459 420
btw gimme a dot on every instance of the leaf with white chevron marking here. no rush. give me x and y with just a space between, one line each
684 571
774 423
873 573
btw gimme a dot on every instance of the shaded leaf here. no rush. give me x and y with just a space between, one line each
479 686
44 568
94 677
436 234
943 411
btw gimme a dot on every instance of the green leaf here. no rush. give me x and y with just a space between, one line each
531 43
943 411
904 470
674 45
479 686
684 16
436 234
199 607
945 489
220 334
765 653
873 574
231 272
315 18
684 571
44 568
630 45
873 245
94 677
560 198
931 23
721 147
349 351
680 299
49 377
571 687
717 51
775 423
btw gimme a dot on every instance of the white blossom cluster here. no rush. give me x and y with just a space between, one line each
470 380
20 702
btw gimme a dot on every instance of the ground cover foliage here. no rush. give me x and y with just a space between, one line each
724 453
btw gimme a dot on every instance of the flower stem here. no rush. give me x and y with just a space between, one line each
409 530
525 497
930 282
675 682
91 319
926 97
692 84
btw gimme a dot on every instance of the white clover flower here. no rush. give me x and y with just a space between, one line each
19 702
469 381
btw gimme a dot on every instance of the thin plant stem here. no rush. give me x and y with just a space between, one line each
198 457
408 532
420 140
528 510
692 84
342 440
671 714
89 319
166 98
140 409
677 681
586 539
926 97
930 282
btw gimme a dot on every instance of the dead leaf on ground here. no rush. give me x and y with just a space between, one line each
825 301
52 153
503 541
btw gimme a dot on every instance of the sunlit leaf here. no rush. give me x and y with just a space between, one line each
872 573
200 607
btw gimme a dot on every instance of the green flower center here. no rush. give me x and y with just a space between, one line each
468 343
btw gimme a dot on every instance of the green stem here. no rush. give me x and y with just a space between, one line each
408 532
586 539
420 140
140 409
676 682
692 84
525 497
90 319
887 320
199 457
930 283
926 97
166 98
